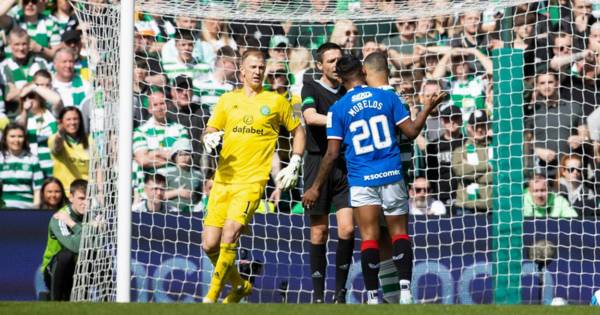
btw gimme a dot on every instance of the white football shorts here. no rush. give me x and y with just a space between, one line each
393 198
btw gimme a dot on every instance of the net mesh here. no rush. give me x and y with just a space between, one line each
497 60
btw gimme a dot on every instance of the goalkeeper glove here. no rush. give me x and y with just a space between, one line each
211 141
288 177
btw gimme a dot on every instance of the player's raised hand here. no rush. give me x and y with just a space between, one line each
211 140
438 98
288 177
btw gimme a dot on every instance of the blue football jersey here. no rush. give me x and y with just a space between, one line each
365 120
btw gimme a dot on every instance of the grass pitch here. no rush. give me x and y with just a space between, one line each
284 309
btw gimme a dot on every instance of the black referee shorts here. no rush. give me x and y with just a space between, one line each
335 192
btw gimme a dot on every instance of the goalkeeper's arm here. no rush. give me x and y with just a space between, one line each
288 177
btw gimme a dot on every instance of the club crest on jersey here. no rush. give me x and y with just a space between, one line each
248 120
265 110
361 96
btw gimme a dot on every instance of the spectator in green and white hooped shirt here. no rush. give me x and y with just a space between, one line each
72 88
19 69
185 63
468 88
221 80
29 16
42 80
64 19
40 125
155 141
20 170
62 247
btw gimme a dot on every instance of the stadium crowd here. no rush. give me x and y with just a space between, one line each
183 65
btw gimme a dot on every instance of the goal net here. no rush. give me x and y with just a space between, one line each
502 181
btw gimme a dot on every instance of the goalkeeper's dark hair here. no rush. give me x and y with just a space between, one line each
78 185
326 47
348 66
377 62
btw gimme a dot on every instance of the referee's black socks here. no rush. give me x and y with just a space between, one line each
318 264
343 260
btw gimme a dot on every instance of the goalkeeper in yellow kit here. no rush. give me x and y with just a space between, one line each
248 120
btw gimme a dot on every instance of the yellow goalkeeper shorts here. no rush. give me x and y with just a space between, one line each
236 202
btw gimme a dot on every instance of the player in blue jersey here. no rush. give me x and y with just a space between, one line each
365 121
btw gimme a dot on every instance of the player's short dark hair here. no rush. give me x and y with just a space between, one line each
78 185
252 52
377 61
154 177
326 47
348 66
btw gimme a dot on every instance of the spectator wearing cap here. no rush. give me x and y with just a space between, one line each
73 89
146 35
278 48
183 110
221 80
540 203
279 79
470 164
18 69
144 43
185 63
72 39
155 141
421 201
438 154
28 15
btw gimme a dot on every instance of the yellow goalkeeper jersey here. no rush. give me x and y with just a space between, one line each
251 127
